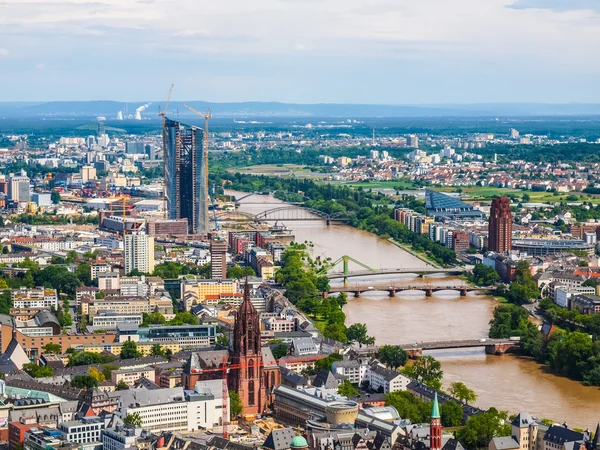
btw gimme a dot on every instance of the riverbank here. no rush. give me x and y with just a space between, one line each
421 256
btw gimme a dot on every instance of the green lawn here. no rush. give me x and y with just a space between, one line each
486 193
279 170
381 184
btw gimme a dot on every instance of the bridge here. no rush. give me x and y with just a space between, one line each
415 350
285 214
417 271
393 290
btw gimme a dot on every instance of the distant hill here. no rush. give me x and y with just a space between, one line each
275 109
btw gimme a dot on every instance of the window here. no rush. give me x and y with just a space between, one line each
251 393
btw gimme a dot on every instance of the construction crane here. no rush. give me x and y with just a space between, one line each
163 114
123 198
225 369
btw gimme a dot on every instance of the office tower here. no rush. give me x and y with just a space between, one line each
88 173
91 141
134 148
150 152
186 176
218 259
101 131
500 227
139 253
412 141
18 188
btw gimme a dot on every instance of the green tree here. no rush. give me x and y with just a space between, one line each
480 429
237 272
184 317
155 318
392 356
524 288
52 348
484 275
122 386
347 389
452 414
427 370
223 340
409 406
358 333
38 371
279 351
157 350
133 420
236 407
460 391
107 370
55 197
84 381
84 273
71 256
129 350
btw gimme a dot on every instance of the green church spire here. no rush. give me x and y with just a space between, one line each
435 411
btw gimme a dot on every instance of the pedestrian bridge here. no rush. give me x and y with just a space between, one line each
422 271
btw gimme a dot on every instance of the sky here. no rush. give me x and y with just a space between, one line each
301 51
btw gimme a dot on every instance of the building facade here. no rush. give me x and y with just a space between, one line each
139 253
186 175
500 227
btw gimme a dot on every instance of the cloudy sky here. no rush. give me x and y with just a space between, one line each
306 51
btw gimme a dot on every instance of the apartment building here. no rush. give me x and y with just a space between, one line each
38 297
130 376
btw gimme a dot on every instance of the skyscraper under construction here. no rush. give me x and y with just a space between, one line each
186 176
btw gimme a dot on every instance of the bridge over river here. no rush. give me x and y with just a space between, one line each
421 271
492 346
393 290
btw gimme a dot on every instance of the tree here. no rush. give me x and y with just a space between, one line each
223 340
524 288
122 386
133 420
96 374
427 370
184 317
55 197
392 356
155 318
452 414
52 348
236 407
129 350
107 370
409 406
460 391
347 389
279 351
237 272
84 382
482 428
38 371
157 350
483 275
71 256
84 273
358 333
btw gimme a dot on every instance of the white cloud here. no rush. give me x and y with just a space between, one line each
4 52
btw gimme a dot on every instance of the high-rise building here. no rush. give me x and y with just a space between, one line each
139 253
218 259
134 148
412 141
500 227
101 130
186 176
18 189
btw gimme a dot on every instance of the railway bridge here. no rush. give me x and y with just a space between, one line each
393 290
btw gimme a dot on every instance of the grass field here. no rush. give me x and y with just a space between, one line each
486 193
279 170
381 184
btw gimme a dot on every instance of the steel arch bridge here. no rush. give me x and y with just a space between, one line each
291 213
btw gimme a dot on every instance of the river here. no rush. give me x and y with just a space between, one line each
507 382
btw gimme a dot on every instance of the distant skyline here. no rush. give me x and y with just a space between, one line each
301 51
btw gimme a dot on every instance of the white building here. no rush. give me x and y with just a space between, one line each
381 378
84 431
563 294
139 253
38 297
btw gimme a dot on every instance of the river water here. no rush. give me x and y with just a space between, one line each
507 382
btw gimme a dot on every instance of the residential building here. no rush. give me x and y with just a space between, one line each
38 297
586 304
47 439
109 281
84 431
218 258
17 430
386 380
139 253
18 189
130 376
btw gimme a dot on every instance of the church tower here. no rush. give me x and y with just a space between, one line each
246 352
435 427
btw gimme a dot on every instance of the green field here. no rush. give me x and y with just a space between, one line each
381 184
486 193
279 170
